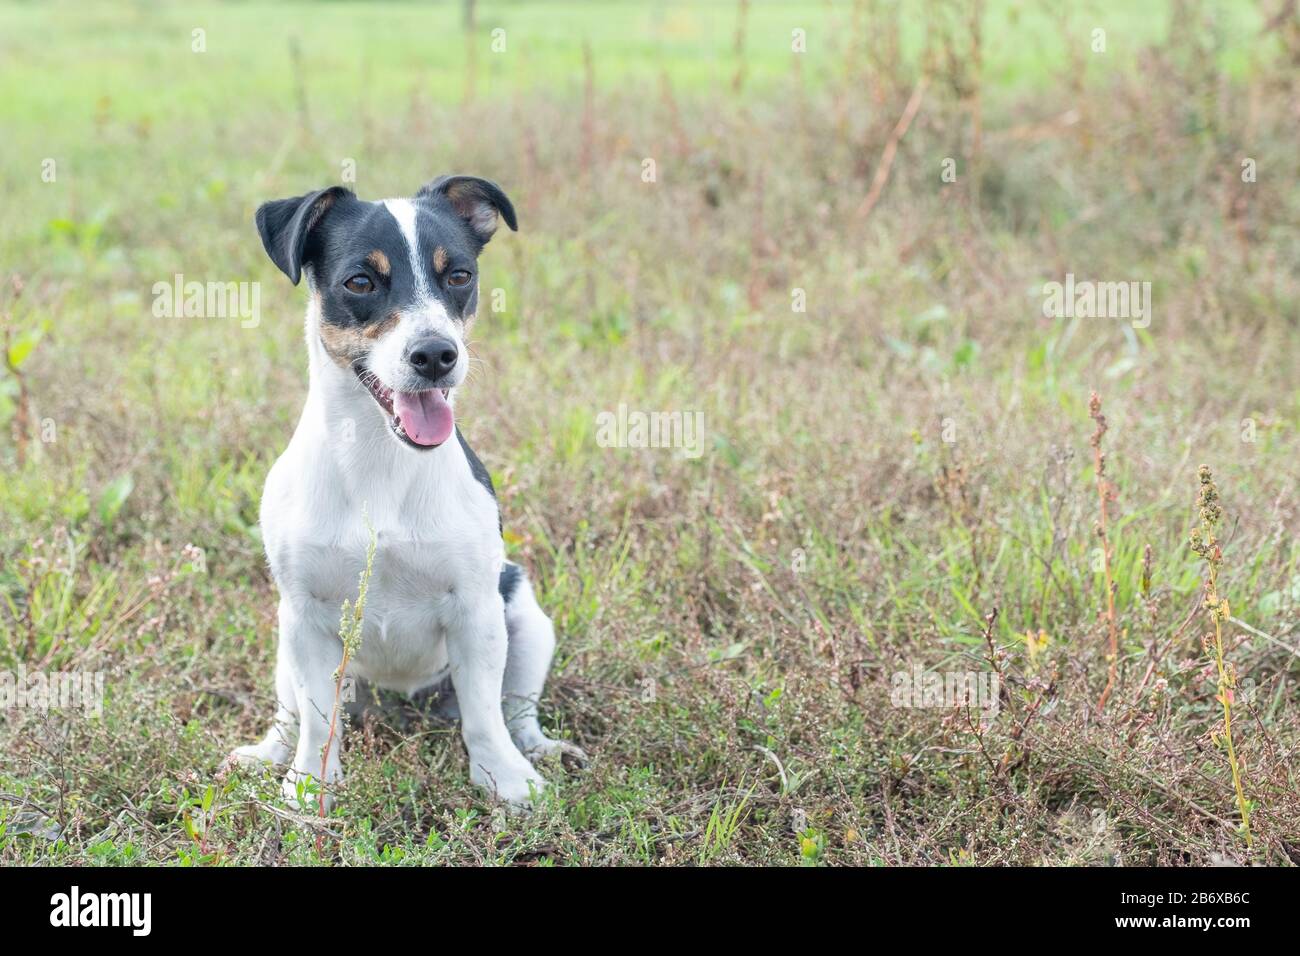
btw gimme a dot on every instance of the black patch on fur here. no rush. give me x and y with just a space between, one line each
288 225
466 195
511 575
479 472
475 466
330 235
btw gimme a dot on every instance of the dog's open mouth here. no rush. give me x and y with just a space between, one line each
421 419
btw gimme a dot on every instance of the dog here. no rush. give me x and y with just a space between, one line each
377 457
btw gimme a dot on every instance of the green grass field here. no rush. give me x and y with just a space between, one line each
895 476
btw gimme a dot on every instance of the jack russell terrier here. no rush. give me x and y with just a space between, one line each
393 288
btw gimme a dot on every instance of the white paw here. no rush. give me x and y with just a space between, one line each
516 784
255 755
252 757
544 747
302 790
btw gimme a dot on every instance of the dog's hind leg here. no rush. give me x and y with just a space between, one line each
531 643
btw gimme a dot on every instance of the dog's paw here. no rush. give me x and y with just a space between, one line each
547 747
517 787
302 791
252 757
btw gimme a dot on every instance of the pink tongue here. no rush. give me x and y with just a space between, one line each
426 417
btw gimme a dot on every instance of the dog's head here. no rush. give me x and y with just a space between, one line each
394 283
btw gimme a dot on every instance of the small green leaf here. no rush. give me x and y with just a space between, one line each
114 497
62 227
22 347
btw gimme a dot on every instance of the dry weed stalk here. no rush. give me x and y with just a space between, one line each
742 16
1105 493
1205 543
975 100
470 27
953 484
891 147
588 111
350 629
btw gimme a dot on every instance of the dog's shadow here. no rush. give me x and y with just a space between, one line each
433 708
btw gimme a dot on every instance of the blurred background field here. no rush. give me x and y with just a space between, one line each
881 470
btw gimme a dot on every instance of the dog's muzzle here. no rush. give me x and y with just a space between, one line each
422 419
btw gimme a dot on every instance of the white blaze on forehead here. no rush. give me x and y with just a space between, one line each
425 316
403 210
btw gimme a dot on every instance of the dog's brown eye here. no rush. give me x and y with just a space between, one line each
359 283
459 277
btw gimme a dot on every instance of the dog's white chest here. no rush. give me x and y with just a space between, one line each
437 554
416 593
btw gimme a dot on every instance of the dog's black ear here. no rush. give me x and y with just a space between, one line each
477 201
285 224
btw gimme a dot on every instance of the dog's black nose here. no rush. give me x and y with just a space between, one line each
433 357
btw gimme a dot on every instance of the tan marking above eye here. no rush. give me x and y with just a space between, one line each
439 259
380 262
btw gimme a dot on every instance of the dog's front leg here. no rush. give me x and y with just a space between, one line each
477 654
278 745
313 652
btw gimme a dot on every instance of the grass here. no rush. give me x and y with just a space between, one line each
898 476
